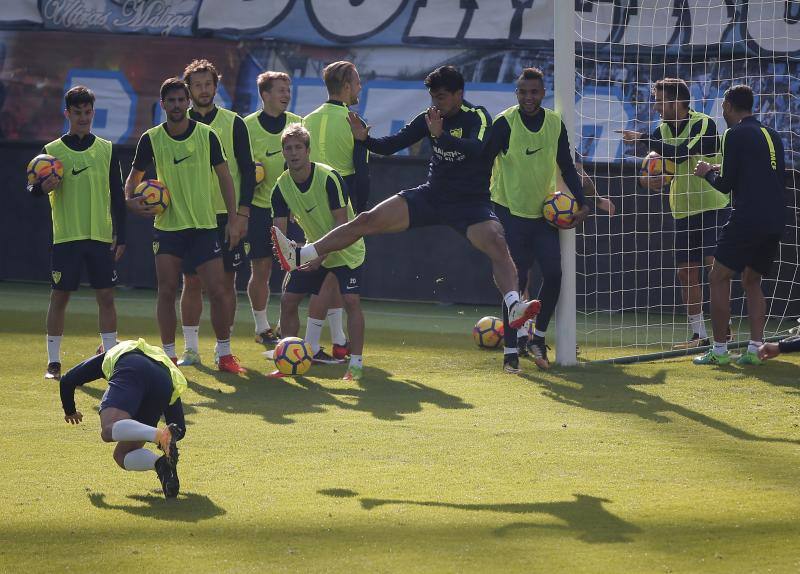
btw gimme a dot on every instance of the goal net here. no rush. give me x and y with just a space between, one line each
631 301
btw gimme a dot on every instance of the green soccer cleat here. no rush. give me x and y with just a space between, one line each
711 358
189 357
353 373
748 358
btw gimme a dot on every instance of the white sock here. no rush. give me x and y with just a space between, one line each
522 332
129 429
357 361
169 349
698 325
191 337
140 459
307 253
53 348
510 351
752 346
720 348
510 298
335 323
260 317
223 347
313 332
538 333
109 339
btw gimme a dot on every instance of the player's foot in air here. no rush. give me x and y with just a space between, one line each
692 343
267 337
168 476
748 358
353 373
522 347
539 352
511 364
167 441
230 364
341 352
712 358
285 250
53 371
323 358
189 357
521 311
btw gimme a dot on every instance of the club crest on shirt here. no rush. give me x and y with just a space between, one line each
456 132
56 277
247 248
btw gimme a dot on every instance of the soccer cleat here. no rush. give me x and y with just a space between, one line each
522 347
167 441
168 475
539 352
748 358
511 364
341 351
323 358
276 374
230 364
267 337
692 343
353 373
189 357
100 349
711 358
521 311
285 250
53 371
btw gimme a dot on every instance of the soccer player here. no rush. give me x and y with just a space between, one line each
333 144
687 137
265 128
202 79
528 143
316 195
752 171
188 155
88 212
456 193
143 384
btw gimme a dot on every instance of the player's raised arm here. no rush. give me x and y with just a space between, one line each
472 142
410 134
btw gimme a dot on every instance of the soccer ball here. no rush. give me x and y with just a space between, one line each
559 209
488 332
43 166
292 356
654 165
261 172
155 194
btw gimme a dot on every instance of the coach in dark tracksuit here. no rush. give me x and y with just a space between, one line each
753 172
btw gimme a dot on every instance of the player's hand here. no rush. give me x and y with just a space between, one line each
360 131
630 136
605 204
434 120
768 351
702 168
235 230
139 207
74 418
50 183
579 217
118 250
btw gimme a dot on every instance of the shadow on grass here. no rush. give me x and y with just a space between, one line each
777 373
278 400
585 516
610 389
187 507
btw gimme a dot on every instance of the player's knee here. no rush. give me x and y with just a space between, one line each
105 298
59 299
191 284
119 458
105 433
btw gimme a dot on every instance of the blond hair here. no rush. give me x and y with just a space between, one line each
296 131
336 75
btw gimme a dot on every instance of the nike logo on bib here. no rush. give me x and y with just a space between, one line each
531 152
271 153
80 170
177 161
310 210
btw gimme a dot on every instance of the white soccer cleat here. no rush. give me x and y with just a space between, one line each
521 311
285 250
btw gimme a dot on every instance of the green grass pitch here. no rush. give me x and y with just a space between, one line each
435 462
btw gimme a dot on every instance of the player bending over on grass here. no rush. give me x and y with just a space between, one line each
752 171
143 384
456 193
317 197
